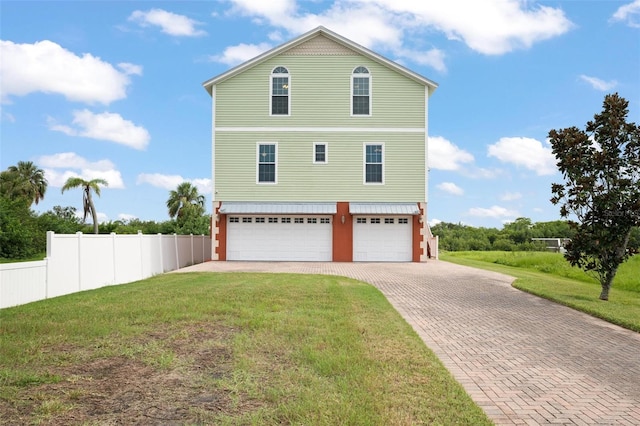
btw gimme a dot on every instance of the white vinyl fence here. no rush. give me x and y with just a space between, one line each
77 262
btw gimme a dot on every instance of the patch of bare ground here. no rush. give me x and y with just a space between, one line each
140 388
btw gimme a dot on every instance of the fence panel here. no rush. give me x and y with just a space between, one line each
77 262
22 282
96 261
128 257
63 268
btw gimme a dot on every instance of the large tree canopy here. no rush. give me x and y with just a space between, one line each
185 199
23 181
601 169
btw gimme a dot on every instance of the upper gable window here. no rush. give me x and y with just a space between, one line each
361 91
280 91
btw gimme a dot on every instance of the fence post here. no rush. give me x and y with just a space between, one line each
141 255
161 255
191 249
175 239
113 251
50 235
79 235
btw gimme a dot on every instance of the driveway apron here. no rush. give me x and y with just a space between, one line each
523 359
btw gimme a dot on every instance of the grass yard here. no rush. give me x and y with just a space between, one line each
550 276
232 349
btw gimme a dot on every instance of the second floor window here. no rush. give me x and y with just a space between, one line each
267 154
360 90
373 164
320 153
280 91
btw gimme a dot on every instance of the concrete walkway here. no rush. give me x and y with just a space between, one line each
523 359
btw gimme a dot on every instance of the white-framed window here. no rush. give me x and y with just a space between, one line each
259 219
320 153
285 220
374 220
234 219
361 220
325 220
273 220
246 220
388 220
361 92
267 162
298 220
280 99
403 221
373 163
312 220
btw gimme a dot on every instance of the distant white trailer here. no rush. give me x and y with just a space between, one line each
554 244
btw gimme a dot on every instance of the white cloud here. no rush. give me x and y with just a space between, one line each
130 69
126 217
170 23
234 55
434 222
105 126
171 182
525 152
630 13
433 58
491 28
511 196
60 167
47 67
367 24
444 155
493 211
450 188
599 84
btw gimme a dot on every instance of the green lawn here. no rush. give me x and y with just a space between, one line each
223 349
549 275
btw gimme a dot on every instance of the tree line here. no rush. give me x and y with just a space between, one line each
23 231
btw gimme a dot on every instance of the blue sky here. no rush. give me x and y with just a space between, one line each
114 89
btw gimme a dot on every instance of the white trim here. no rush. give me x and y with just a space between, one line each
324 129
213 144
426 144
275 182
326 153
364 163
271 77
369 76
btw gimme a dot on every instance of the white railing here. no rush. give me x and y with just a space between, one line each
78 262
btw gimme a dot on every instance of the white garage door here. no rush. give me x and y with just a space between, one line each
382 239
284 238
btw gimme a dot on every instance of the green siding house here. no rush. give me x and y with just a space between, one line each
320 154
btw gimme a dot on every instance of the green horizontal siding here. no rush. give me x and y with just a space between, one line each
320 91
301 180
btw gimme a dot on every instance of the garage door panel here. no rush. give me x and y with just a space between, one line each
280 238
382 239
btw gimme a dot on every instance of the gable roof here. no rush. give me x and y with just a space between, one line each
208 85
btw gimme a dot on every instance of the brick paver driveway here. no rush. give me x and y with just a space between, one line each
523 359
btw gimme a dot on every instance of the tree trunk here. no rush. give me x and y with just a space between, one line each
610 275
604 294
94 214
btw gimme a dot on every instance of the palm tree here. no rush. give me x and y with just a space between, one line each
184 198
87 202
25 180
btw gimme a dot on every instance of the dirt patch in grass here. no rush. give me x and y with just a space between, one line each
165 377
